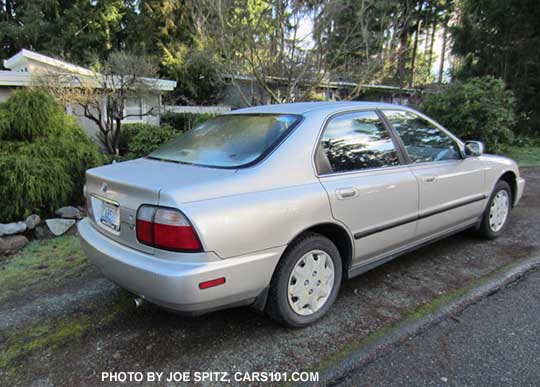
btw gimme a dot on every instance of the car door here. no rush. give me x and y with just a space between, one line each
369 187
451 186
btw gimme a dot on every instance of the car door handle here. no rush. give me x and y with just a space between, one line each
430 179
346 193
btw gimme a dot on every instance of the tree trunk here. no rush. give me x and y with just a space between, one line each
415 46
116 136
443 51
431 43
403 45
427 24
402 59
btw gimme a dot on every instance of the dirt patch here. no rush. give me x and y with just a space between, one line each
151 339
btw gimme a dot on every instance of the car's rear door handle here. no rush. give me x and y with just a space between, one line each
429 179
346 193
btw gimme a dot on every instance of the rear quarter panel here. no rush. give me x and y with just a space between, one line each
249 222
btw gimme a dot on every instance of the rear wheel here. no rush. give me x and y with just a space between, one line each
496 214
306 281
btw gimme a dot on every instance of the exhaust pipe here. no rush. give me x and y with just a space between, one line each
138 302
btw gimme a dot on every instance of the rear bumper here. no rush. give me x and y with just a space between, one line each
174 283
519 191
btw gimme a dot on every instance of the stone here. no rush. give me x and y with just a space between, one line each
43 232
69 213
32 221
59 226
12 228
11 244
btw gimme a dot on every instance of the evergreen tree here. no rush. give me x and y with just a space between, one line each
501 38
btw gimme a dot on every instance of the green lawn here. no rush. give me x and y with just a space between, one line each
525 156
41 265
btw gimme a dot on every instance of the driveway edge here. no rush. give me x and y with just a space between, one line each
402 331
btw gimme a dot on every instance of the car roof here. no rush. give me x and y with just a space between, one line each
306 107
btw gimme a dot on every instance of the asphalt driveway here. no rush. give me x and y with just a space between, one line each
71 333
494 342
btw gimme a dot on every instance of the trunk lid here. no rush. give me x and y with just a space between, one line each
128 185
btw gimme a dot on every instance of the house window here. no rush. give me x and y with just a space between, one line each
134 109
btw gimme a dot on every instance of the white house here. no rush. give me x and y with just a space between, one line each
25 64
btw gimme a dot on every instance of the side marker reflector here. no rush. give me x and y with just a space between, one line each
212 283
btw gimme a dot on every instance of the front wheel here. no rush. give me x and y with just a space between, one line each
306 281
496 214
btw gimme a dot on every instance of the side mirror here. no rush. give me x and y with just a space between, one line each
474 148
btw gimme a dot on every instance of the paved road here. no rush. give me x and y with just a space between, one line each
495 342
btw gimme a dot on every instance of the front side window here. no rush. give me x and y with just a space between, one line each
228 141
357 141
423 141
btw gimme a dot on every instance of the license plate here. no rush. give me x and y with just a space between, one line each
110 215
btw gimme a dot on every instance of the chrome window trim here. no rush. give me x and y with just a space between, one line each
430 163
363 171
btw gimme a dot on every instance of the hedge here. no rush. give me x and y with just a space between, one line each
476 109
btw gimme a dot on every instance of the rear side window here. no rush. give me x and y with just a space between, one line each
356 141
423 141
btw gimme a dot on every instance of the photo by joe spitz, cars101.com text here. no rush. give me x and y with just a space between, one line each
275 206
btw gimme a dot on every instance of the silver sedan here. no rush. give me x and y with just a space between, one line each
275 206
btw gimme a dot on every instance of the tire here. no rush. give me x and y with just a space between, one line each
309 299
489 228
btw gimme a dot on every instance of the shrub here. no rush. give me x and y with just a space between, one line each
32 184
31 114
185 121
143 139
4 120
44 168
477 109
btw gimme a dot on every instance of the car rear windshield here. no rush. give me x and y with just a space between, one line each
228 141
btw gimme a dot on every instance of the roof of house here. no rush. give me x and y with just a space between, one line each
24 55
326 84
23 59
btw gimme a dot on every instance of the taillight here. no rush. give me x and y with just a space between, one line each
145 220
166 228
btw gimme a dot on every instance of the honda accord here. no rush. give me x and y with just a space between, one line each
275 206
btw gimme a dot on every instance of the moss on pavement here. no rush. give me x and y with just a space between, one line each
18 344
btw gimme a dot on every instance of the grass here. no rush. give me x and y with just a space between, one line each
525 156
41 265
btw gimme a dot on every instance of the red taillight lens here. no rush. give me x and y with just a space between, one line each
166 228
